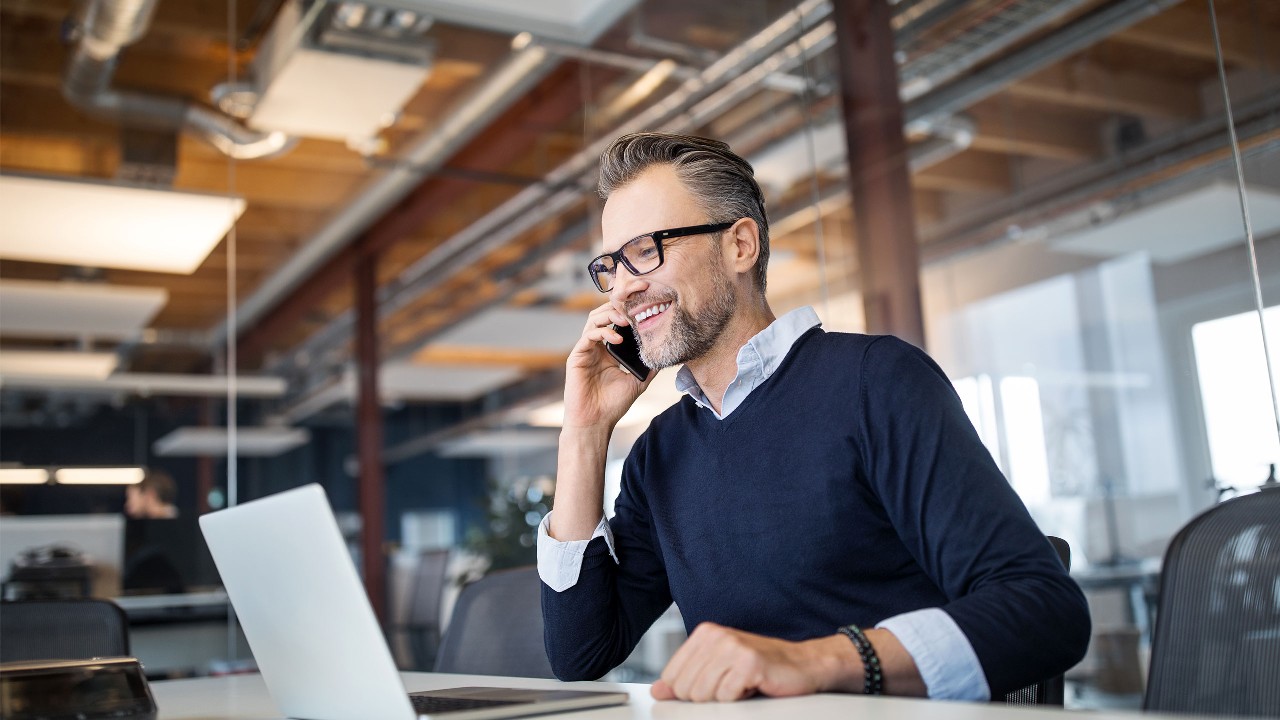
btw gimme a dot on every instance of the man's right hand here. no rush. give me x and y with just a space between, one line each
597 391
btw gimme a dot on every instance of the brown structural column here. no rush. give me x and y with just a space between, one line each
373 506
879 179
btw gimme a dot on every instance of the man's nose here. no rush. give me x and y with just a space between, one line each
625 284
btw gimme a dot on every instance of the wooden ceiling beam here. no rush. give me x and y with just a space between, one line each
488 357
970 171
1086 85
1017 129
1185 30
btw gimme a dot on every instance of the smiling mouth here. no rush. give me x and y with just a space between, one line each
651 311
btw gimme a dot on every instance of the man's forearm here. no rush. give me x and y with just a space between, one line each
579 499
899 671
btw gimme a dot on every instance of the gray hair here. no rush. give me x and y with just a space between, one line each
723 184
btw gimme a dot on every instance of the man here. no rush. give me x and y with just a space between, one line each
818 505
153 498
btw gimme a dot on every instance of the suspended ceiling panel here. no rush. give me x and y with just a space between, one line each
96 224
404 381
536 330
51 363
578 21
1182 227
30 308
499 443
215 441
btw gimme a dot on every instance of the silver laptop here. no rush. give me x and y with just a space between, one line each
313 633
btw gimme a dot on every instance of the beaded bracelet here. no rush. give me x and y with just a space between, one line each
873 678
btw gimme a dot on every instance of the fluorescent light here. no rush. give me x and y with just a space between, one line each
104 225
30 308
99 476
49 363
167 384
23 476
213 441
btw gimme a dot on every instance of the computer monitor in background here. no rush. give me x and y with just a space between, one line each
166 556
99 538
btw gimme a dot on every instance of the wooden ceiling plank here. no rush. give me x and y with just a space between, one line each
970 171
1185 30
1019 130
1083 84
488 357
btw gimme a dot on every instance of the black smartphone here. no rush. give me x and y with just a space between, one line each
627 353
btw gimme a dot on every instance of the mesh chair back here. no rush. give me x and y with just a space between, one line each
497 628
423 621
1217 636
1049 692
62 630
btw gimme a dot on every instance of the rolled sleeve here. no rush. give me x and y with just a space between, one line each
559 563
942 653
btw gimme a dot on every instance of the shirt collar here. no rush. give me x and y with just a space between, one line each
759 358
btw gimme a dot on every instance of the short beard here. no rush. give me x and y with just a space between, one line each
691 338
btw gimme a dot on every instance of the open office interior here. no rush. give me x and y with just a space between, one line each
255 244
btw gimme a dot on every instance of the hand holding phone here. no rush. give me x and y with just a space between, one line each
627 353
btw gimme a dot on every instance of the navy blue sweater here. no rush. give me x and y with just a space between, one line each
847 488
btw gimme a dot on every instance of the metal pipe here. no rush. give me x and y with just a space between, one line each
1082 33
564 185
107 27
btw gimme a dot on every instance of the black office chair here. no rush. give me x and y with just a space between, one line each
1049 692
497 628
62 630
1216 645
422 625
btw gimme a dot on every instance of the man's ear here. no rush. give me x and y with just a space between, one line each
742 245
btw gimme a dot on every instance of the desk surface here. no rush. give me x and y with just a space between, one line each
244 697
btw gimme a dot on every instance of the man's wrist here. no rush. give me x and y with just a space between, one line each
839 663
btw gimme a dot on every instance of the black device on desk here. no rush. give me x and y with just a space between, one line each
166 556
75 689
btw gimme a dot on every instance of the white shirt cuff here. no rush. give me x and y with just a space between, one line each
560 562
942 653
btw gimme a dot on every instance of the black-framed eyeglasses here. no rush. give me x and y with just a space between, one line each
642 255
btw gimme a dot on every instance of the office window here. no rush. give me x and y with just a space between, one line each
1234 392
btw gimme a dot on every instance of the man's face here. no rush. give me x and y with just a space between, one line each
135 501
680 309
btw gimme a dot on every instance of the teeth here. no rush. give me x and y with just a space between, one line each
650 312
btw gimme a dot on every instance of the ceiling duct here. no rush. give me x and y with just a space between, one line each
338 71
105 28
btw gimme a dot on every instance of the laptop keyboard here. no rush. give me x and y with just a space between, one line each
432 704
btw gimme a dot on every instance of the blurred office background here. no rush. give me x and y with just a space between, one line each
220 217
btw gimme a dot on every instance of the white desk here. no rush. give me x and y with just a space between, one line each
244 697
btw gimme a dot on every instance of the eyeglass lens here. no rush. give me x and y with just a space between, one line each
639 255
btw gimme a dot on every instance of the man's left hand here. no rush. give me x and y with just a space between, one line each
722 664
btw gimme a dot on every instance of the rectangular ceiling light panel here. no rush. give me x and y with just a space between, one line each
441 382
1182 227
307 86
529 329
99 475
113 226
214 441
576 21
31 308
52 363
